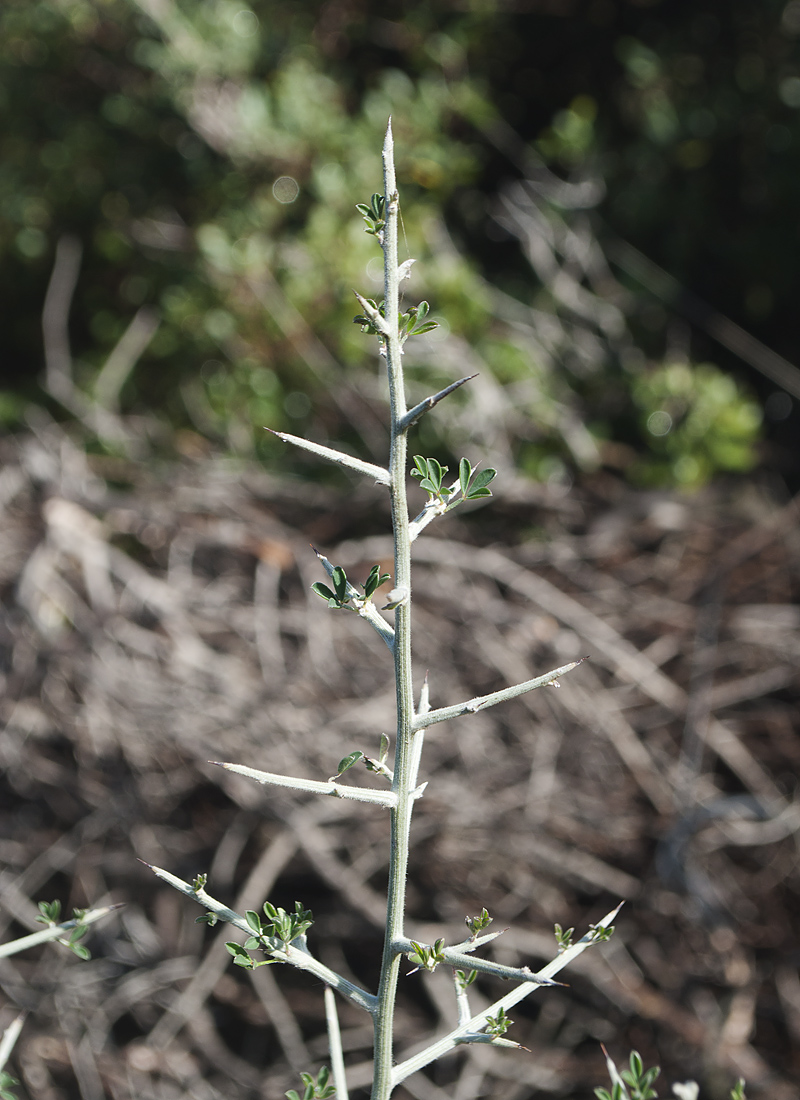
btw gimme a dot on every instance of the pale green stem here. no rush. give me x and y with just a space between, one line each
335 790
404 755
454 958
55 931
335 1045
481 702
10 1036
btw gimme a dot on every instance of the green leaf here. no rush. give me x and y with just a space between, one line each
240 956
421 467
293 1094
254 920
464 475
207 918
420 330
480 481
348 761
81 951
374 580
50 912
384 748
323 591
340 584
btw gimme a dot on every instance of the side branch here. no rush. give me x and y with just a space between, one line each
378 473
413 415
451 957
294 953
459 1034
336 790
56 932
472 706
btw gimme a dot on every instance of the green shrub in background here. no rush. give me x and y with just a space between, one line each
700 422
205 155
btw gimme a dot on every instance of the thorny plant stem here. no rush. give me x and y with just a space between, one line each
402 784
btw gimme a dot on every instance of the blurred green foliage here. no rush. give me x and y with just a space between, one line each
209 155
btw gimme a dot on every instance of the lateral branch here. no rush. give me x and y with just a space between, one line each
297 954
472 706
378 473
451 957
414 414
477 1023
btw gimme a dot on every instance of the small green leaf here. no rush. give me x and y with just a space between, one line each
207 918
348 761
323 591
199 882
50 912
384 748
240 956
81 951
340 584
482 479
420 330
479 923
464 475
254 920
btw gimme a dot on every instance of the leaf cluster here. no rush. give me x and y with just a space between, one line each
316 1088
478 924
465 978
373 215
634 1083
342 594
425 957
563 937
279 926
50 914
472 484
498 1025
7 1082
370 763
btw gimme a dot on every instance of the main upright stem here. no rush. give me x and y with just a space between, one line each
403 760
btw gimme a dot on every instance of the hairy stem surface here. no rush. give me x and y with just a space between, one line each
403 762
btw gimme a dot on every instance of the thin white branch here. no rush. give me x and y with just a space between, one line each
335 1045
378 473
414 414
380 323
123 358
472 706
478 1022
363 606
297 954
55 316
462 1001
485 966
10 1036
429 513
335 790
55 932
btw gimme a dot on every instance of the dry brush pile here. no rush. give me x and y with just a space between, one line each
154 621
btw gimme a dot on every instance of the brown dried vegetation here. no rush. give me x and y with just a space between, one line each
152 627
